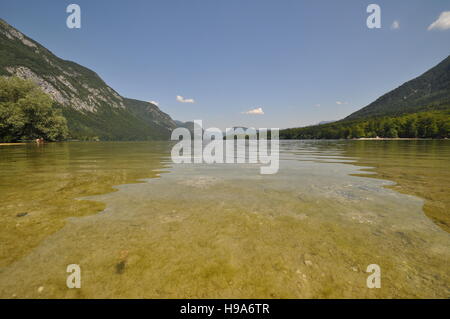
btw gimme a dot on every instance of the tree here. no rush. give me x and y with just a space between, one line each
411 127
390 129
26 112
358 132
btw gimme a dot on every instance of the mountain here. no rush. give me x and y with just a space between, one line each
429 91
92 108
419 108
324 122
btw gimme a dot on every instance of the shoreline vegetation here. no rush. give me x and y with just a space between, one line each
421 125
28 113
342 139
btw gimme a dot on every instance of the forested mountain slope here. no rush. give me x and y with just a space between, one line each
92 108
419 108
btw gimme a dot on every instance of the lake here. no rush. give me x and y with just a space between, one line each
140 226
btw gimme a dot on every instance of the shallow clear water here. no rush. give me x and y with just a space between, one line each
224 231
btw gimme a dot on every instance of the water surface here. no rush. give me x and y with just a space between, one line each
225 231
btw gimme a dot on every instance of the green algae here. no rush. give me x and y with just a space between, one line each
45 182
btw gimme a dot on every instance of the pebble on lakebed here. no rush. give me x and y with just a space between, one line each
21 214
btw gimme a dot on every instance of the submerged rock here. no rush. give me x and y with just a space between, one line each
120 267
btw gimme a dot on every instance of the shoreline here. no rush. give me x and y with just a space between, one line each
396 139
369 139
281 139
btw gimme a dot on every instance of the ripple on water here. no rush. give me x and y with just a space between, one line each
225 231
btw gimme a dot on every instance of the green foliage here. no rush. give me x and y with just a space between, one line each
112 124
27 113
432 124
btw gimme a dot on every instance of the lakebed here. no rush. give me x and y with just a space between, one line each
140 226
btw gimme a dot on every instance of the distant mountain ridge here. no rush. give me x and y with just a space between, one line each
93 109
419 108
430 90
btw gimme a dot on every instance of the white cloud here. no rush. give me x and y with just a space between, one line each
341 103
183 100
442 23
154 102
395 25
257 111
317 105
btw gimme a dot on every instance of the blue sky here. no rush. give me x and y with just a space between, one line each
293 59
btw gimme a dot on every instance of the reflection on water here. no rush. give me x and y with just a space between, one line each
219 231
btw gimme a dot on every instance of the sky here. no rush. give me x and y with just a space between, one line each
253 63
